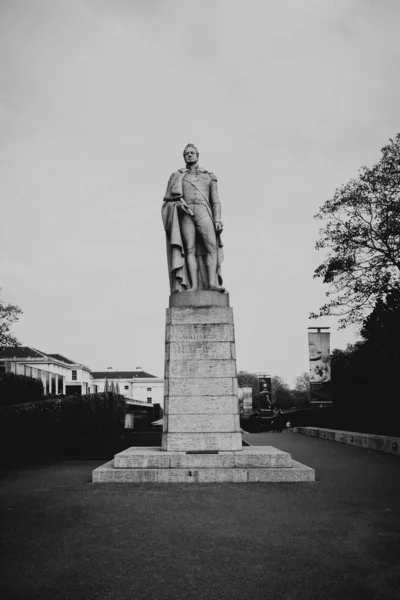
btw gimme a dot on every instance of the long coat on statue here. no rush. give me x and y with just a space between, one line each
205 189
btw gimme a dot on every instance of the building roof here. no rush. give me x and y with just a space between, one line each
121 375
63 359
26 352
21 352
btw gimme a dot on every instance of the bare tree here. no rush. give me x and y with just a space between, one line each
9 314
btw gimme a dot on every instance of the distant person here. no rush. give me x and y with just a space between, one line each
279 422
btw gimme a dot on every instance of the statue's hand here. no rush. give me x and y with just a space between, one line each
185 208
218 226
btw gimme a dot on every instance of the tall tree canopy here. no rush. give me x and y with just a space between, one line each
367 371
362 239
8 314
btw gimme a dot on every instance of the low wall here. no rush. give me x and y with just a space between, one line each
380 443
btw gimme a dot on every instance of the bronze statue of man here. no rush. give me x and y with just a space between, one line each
191 214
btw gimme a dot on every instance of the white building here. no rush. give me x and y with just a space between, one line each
59 374
135 385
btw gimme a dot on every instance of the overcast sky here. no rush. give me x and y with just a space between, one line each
285 102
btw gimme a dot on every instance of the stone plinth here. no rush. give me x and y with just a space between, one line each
251 464
201 410
202 298
156 458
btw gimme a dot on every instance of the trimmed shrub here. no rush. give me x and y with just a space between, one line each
66 425
17 389
362 418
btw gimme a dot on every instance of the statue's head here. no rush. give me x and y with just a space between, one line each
191 154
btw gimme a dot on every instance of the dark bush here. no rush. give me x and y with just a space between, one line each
361 418
17 389
68 425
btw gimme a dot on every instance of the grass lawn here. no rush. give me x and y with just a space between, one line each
64 538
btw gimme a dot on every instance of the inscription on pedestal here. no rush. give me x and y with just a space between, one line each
209 423
218 332
200 368
202 387
199 350
191 405
194 316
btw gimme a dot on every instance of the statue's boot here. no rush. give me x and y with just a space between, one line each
211 262
215 287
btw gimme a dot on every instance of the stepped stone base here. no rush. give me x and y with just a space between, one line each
201 439
251 464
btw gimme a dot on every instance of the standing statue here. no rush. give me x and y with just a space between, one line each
191 215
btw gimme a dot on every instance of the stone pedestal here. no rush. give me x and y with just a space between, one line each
201 439
201 409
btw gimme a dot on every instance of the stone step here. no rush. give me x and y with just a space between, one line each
182 442
297 473
249 457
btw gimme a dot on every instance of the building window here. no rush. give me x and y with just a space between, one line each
74 375
148 400
149 389
126 387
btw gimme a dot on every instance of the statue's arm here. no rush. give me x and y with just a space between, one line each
214 201
173 197
168 196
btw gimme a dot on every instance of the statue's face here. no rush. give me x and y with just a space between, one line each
190 155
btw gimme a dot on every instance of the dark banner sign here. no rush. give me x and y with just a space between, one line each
264 393
320 367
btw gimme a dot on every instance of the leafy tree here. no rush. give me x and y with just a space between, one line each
382 326
367 372
301 390
246 379
302 382
9 314
281 394
381 352
362 237
350 375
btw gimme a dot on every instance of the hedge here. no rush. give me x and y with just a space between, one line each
62 426
362 418
16 389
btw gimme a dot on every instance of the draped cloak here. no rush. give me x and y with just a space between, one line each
171 216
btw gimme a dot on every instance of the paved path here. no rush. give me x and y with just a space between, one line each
338 538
